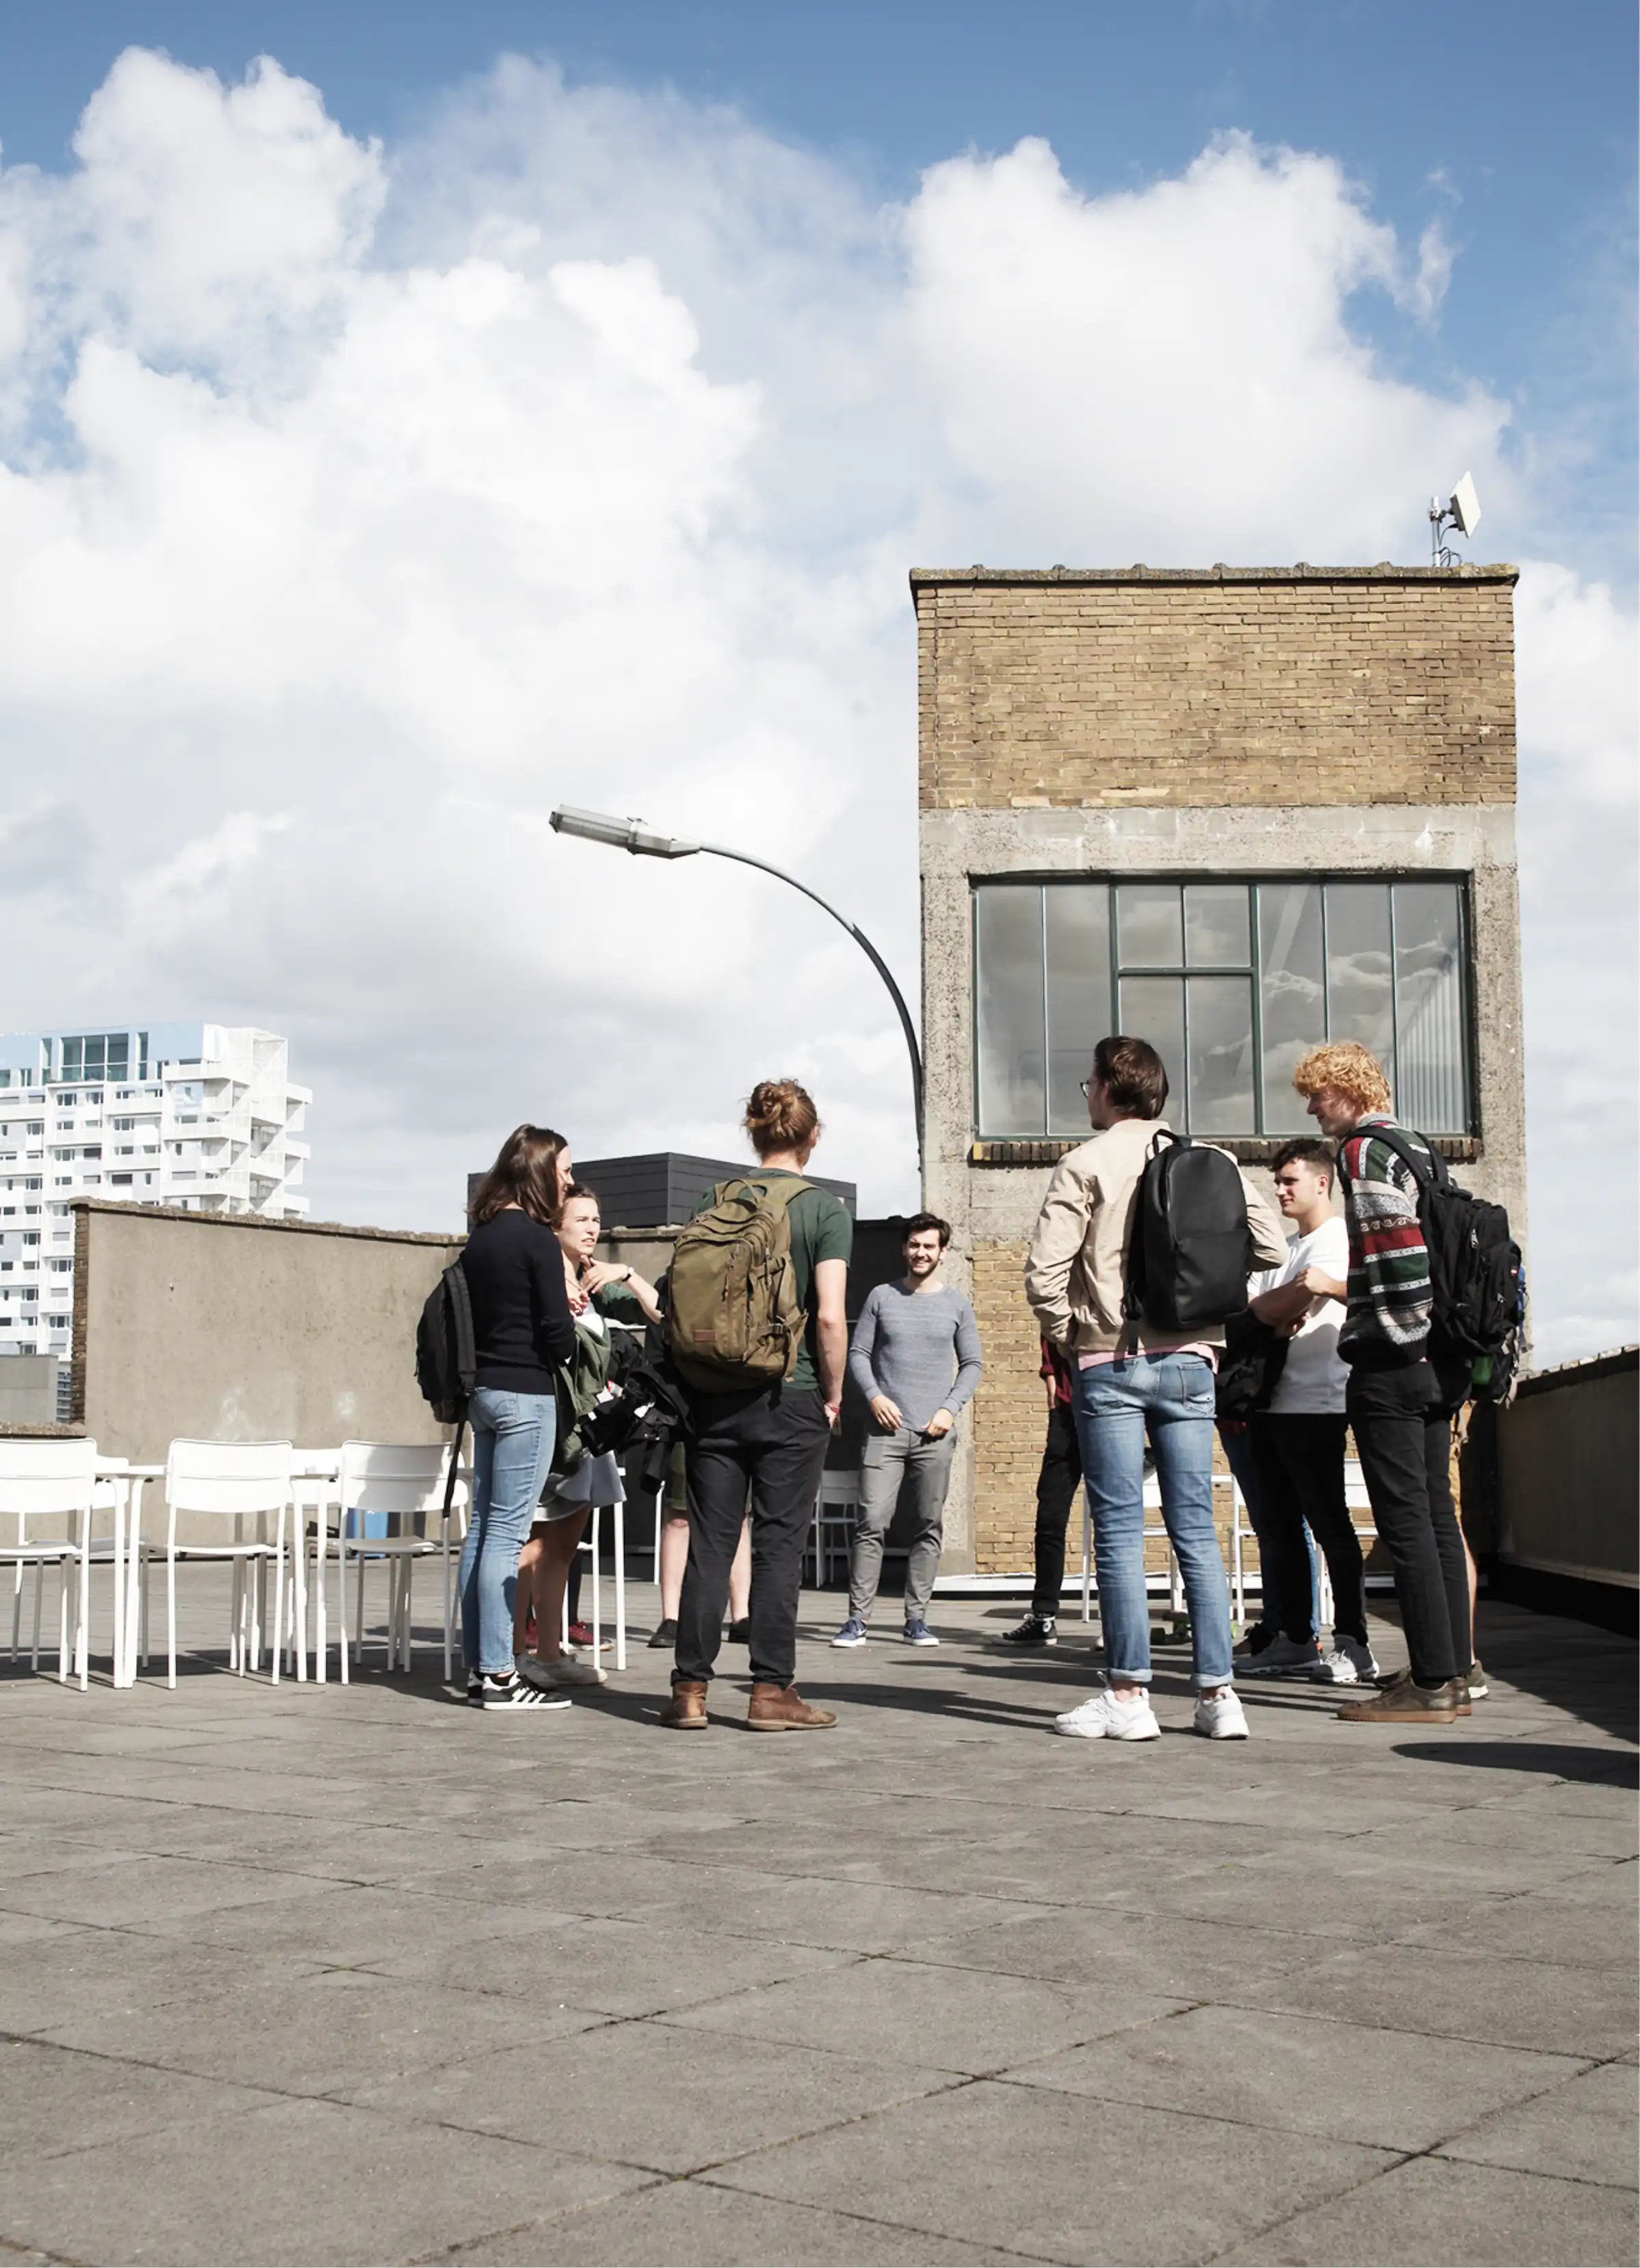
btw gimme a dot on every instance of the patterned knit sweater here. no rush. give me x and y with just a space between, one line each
1387 1321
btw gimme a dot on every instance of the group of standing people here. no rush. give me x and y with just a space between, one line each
1348 1299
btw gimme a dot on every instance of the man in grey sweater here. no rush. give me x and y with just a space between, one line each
910 1337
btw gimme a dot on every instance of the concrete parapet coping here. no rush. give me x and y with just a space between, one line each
1384 572
1582 1372
261 1220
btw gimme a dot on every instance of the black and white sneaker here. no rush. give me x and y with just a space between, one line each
1035 1629
514 1693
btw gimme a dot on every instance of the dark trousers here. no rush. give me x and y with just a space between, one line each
1057 1486
774 1440
1299 1463
1276 1612
1403 1434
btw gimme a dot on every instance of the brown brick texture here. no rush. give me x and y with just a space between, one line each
1313 687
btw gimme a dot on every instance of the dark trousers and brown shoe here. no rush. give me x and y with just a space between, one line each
782 1709
686 1712
1403 1702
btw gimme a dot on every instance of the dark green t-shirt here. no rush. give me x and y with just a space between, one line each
820 1230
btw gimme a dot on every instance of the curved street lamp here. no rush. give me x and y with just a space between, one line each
631 834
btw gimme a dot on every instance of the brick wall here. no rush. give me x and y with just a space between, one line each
1227 686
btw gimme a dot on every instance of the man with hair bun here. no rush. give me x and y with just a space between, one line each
1397 1406
771 1439
910 1336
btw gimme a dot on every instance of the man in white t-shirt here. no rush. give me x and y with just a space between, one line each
1297 1441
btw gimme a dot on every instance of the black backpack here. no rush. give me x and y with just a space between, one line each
446 1352
446 1360
1476 1275
1190 1249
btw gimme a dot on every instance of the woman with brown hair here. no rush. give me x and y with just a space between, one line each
772 1438
523 1330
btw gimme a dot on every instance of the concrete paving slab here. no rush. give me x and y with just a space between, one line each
1180 1959
1537 1925
695 2224
322 2033
351 1928
128 1893
1351 2081
102 1975
298 2181
956 2020
1023 2168
54 2101
1430 2209
1584 2130
652 2095
618 1968
1456 1994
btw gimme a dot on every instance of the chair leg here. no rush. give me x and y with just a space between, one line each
171 1618
449 1628
62 1622
142 1622
619 1526
16 1606
278 1660
342 1606
82 1634
1087 1559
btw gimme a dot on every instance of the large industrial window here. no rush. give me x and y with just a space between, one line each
1231 982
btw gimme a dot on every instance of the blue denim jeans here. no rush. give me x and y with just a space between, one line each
512 1440
1170 1396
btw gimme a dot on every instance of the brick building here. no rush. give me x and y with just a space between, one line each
1238 810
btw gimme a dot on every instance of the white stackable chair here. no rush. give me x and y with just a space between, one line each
236 1481
588 1542
406 1480
50 1482
836 1515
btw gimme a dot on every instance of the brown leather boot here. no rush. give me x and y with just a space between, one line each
782 1709
686 1712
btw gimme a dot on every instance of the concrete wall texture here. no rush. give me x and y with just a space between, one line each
1219 722
229 1327
1569 1472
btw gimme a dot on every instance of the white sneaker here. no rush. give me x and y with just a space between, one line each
568 1670
1346 1662
1102 1717
1282 1657
1220 1716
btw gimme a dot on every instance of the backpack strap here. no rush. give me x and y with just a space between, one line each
455 1459
779 1191
1427 1168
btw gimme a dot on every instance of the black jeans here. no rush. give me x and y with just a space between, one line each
775 1439
1299 1462
1404 1435
1057 1486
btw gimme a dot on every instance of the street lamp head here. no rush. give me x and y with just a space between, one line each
619 834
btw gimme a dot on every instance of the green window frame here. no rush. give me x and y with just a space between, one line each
1232 979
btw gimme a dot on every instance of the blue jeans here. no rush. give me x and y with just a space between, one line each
1170 1396
512 1439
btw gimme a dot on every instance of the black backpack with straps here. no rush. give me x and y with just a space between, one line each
1190 1248
446 1359
1476 1275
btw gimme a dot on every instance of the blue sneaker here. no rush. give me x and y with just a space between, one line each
852 1633
918 1633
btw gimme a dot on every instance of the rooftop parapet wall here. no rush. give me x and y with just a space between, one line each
1216 685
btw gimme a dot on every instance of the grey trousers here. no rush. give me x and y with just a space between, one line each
885 1461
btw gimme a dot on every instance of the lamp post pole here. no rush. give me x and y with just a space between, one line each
630 834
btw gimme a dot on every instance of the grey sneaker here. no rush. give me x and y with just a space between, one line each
1346 1662
916 1632
568 1670
1475 1681
852 1633
1282 1657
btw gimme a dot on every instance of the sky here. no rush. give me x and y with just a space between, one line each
411 418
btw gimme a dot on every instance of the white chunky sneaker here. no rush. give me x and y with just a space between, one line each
1102 1717
1346 1662
1220 1716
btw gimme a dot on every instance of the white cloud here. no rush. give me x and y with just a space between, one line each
577 450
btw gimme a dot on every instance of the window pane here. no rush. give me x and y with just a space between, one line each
1221 1055
1215 926
1076 923
1152 1009
1294 1003
1149 925
1008 988
1430 1091
1358 967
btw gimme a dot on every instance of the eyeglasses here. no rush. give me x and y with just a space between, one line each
1086 1085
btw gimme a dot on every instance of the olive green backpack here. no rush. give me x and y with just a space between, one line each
734 1320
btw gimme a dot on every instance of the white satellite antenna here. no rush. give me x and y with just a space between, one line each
1461 511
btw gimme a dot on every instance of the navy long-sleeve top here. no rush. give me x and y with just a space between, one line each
521 1319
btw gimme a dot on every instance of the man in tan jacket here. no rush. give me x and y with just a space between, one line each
1130 1380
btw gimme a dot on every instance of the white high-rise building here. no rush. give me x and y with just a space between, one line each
200 1115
